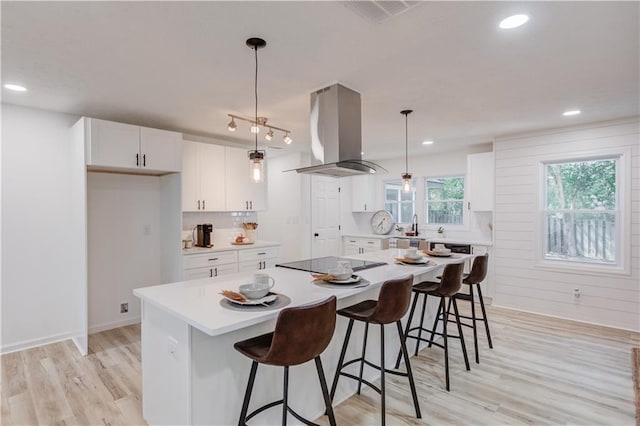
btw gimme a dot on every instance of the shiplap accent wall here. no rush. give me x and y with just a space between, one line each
612 300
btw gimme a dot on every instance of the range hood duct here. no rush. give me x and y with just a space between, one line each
336 134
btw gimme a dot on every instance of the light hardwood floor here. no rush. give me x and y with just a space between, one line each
541 371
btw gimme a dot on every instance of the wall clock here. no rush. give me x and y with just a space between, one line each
382 222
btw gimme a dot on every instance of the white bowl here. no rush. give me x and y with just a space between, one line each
412 254
339 274
254 290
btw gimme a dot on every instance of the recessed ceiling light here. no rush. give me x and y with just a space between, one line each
15 87
427 142
571 112
513 21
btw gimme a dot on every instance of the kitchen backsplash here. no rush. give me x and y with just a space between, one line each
225 224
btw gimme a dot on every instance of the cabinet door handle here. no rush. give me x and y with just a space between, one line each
203 208
365 207
261 254
211 273
250 205
137 160
198 204
144 160
216 269
468 205
212 259
246 205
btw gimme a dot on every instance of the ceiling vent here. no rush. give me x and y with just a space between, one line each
379 11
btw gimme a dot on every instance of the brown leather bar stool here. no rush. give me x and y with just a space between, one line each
473 279
301 334
448 286
392 304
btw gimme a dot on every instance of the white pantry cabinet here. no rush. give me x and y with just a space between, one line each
203 177
480 181
363 195
113 145
241 193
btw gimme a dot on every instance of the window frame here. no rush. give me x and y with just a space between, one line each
465 211
623 216
414 201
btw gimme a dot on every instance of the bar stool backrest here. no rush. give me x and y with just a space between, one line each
302 333
393 300
451 280
478 270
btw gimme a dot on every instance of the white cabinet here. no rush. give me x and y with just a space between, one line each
125 146
257 259
480 181
203 177
210 265
243 194
363 195
359 245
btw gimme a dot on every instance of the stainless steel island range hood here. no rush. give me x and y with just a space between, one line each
336 134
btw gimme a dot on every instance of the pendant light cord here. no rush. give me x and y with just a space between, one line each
255 86
406 143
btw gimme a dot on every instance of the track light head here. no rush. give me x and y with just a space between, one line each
287 139
232 125
269 135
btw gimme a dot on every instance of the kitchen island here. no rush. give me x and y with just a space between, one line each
191 373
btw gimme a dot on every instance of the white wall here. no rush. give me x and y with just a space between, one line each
287 219
606 299
441 164
36 224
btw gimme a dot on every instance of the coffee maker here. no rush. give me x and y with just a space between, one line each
203 235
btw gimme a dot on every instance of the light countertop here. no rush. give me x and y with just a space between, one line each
228 246
426 238
197 302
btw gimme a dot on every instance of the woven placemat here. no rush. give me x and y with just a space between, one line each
635 368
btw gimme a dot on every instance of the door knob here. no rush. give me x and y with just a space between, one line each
316 234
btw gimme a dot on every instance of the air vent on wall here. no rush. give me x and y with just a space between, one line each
379 11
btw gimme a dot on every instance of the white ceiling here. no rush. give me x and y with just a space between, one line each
184 65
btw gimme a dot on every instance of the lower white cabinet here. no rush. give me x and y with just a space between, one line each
360 245
210 265
258 259
220 263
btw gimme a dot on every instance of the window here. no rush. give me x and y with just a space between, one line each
581 211
402 205
445 200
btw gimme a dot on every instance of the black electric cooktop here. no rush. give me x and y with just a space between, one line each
321 265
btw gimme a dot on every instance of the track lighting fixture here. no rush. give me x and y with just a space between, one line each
256 124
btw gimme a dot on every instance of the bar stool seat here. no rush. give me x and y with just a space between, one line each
301 334
448 286
392 304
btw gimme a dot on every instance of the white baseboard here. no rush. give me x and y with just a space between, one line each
114 324
32 343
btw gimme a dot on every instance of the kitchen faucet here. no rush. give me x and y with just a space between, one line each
414 225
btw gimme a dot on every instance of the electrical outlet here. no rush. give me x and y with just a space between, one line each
124 307
576 293
172 347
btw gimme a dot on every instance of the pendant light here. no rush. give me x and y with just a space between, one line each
406 176
256 157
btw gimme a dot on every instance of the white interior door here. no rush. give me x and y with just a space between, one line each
325 216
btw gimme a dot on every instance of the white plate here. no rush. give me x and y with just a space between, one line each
269 298
421 261
354 279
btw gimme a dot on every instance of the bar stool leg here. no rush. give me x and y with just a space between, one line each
364 351
457 315
325 392
285 394
382 378
247 395
484 315
408 327
403 348
424 308
473 322
435 321
445 320
341 360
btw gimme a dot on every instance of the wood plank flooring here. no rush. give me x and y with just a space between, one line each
541 371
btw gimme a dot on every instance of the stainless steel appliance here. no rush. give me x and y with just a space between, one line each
203 235
455 248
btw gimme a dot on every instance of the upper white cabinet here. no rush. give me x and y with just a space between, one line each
203 177
242 193
480 181
363 195
125 146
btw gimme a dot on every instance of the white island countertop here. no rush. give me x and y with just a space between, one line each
197 302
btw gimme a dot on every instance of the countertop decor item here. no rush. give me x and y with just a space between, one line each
381 222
